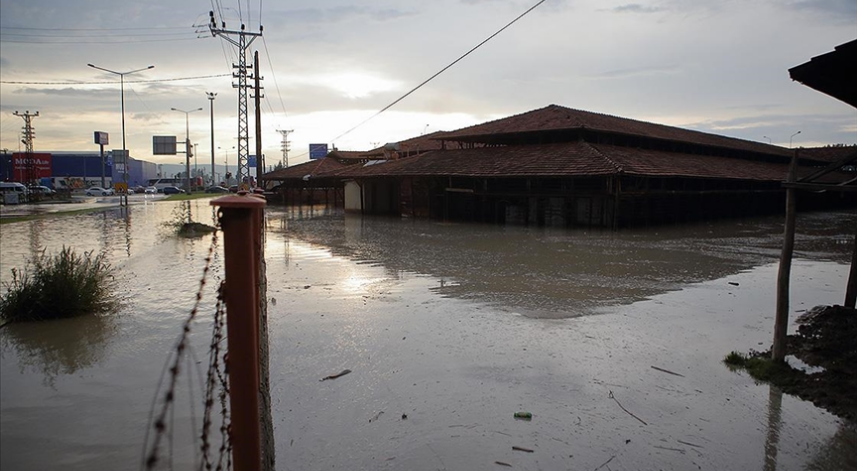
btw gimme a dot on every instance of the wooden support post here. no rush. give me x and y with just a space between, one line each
851 290
241 224
781 323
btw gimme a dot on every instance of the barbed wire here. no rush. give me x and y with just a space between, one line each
160 424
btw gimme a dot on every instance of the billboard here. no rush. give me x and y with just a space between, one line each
164 145
317 151
102 138
35 165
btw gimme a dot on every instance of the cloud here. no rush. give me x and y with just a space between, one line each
844 10
636 8
343 14
830 128
636 72
68 92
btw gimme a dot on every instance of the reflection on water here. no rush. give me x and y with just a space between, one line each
557 273
389 300
775 411
840 451
60 347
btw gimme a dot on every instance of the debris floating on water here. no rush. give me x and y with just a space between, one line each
338 375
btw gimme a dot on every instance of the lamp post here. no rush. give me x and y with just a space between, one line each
187 142
122 91
211 96
790 138
769 139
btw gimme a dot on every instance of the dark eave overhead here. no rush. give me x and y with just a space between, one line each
834 73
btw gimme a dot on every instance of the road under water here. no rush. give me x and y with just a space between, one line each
448 329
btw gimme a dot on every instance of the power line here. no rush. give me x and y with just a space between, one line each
92 29
111 83
103 42
440 72
273 75
94 34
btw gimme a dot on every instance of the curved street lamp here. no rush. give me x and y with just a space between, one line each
790 138
211 96
122 89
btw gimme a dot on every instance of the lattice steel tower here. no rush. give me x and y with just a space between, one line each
284 146
28 135
245 38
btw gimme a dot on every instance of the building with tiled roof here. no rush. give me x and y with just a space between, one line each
561 167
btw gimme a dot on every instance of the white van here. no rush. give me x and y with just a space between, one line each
13 192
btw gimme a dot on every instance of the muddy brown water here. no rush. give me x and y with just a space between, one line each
456 326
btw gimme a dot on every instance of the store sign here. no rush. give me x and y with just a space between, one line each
31 166
102 138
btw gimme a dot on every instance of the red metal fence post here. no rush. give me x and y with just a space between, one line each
240 221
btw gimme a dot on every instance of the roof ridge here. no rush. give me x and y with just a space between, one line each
672 126
619 168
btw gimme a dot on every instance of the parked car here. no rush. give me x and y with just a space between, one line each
217 189
138 189
172 190
151 190
43 190
16 188
97 190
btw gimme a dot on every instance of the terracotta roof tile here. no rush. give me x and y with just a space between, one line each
417 144
651 163
575 158
347 154
567 159
827 154
299 171
555 117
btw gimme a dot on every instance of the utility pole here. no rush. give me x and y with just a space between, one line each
284 145
28 135
260 161
211 96
245 38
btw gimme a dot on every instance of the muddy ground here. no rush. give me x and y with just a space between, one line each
826 338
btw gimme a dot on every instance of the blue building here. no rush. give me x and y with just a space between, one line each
84 169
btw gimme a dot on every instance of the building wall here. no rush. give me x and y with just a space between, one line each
352 197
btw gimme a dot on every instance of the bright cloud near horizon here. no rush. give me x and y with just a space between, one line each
328 65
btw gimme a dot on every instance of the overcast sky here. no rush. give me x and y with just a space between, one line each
716 66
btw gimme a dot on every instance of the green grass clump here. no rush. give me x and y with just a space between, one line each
59 286
760 367
735 359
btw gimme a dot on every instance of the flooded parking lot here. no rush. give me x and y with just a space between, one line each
448 329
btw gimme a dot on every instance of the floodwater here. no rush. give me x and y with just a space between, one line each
448 329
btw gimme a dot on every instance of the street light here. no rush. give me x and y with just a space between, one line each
790 138
211 96
769 139
187 142
226 162
122 88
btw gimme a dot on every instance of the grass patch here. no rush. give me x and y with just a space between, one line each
59 286
183 225
192 196
762 368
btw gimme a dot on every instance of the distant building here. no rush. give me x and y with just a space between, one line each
74 169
